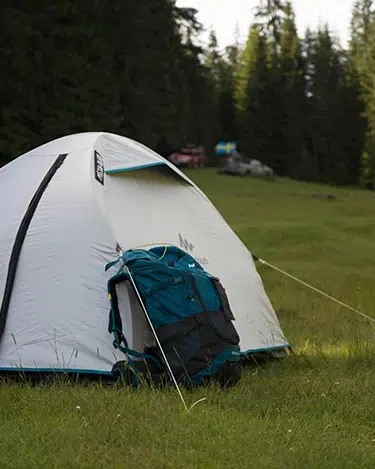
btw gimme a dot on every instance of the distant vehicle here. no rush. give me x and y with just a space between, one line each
190 156
238 165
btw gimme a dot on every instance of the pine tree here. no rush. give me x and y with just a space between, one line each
361 50
333 112
213 58
360 25
201 111
253 98
226 95
270 15
293 95
309 161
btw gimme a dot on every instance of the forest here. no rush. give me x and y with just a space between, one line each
303 105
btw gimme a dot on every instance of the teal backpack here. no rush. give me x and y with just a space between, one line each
190 313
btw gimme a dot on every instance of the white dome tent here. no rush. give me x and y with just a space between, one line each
66 207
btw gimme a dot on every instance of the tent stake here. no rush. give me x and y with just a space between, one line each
262 261
160 346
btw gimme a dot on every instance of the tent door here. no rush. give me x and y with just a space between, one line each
134 323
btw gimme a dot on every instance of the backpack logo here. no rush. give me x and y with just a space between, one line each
184 243
99 167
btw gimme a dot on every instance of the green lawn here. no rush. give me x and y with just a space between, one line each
314 410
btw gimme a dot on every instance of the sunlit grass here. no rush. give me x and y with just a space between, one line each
316 409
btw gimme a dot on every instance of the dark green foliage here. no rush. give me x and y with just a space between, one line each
362 49
333 115
304 106
98 65
299 100
253 96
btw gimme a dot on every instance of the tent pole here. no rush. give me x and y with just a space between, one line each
160 346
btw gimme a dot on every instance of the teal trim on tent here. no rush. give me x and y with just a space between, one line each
266 349
58 370
134 168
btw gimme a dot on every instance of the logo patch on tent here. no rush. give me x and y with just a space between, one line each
184 243
188 247
99 167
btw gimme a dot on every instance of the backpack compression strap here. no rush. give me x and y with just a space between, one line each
224 299
115 323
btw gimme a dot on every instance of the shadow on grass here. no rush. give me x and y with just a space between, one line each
64 378
309 358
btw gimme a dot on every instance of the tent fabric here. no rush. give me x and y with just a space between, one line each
108 191
19 239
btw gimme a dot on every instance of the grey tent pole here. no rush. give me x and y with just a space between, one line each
160 346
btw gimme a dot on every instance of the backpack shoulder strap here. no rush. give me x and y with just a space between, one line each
224 299
115 323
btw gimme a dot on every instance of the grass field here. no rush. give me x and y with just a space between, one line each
316 409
